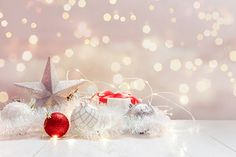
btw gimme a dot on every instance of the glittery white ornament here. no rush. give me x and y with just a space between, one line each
84 117
16 119
93 121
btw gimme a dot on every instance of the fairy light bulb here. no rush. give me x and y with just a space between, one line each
33 39
107 17
27 56
3 97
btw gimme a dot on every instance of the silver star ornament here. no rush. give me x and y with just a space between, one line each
50 91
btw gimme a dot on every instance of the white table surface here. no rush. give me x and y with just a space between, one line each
185 138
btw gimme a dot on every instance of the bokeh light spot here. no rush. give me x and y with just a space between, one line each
3 97
27 56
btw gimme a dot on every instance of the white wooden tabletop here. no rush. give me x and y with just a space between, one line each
185 138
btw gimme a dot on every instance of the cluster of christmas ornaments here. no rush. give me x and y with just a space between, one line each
114 114
103 114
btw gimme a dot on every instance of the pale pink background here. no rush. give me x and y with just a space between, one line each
126 38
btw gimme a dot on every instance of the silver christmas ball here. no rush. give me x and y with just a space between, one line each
141 110
139 119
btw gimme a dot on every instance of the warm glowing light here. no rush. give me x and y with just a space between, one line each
33 25
81 3
113 2
213 63
122 19
183 88
54 139
232 56
65 15
173 19
24 20
33 39
149 44
8 34
198 61
86 41
189 65
72 2
115 67
151 7
3 97
218 41
105 39
206 33
20 67
184 100
107 17
230 74
2 63
138 84
133 17
116 16
58 34
1 15
56 59
203 85
171 10
196 5
232 80
67 7
69 53
224 67
4 23
27 55
126 61
146 29
49 1
175 65
157 67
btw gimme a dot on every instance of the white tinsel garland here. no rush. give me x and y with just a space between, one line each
89 120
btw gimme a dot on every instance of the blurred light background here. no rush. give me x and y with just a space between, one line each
185 47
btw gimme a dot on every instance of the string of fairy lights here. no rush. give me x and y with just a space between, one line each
216 21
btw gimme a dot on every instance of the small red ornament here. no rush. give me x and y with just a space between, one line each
56 124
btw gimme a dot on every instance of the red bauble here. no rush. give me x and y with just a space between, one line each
56 124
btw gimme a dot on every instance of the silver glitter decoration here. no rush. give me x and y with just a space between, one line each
140 111
140 119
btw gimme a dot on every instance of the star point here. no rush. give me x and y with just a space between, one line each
50 91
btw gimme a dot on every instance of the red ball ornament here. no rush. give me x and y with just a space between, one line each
56 124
